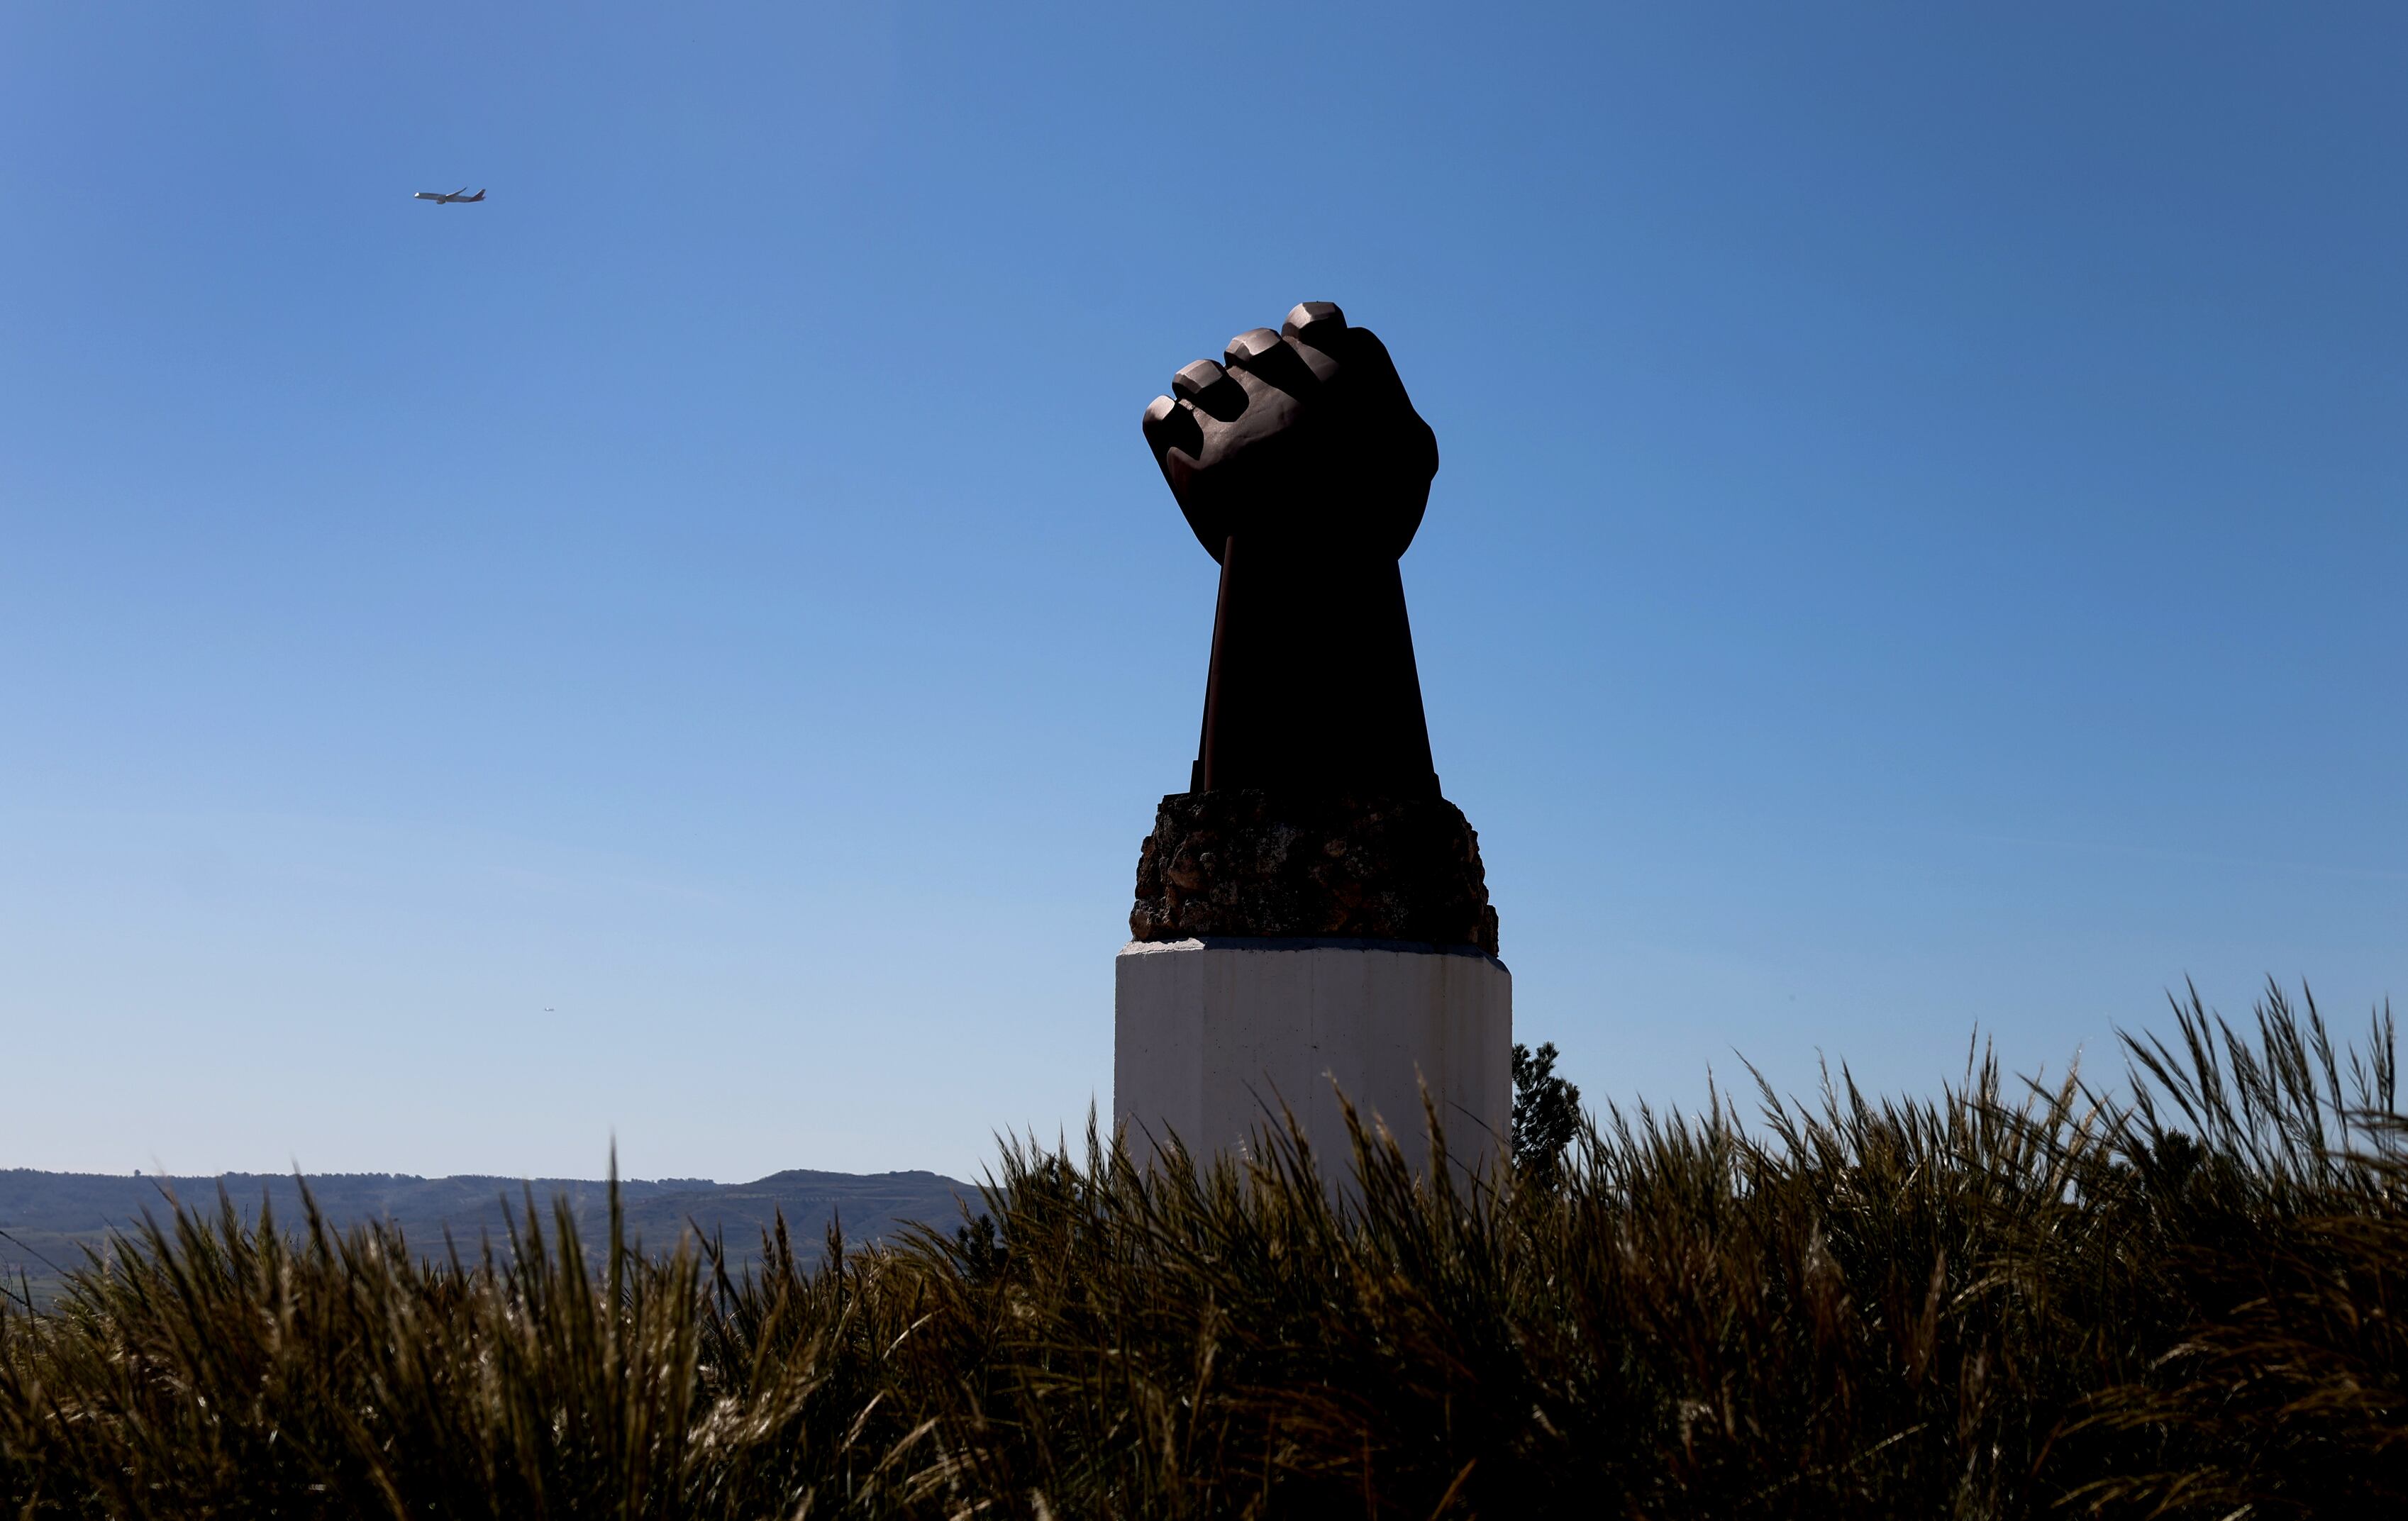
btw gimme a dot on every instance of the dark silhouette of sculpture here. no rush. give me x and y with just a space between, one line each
1304 470
1313 809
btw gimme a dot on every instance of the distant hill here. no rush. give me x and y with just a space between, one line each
47 1219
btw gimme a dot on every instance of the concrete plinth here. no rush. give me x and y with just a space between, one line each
1210 1037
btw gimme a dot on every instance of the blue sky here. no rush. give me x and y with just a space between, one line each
687 648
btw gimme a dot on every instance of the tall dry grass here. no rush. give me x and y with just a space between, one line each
2177 1300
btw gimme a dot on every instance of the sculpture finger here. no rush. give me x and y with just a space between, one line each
1210 388
1172 425
1352 362
1313 321
1269 357
1316 331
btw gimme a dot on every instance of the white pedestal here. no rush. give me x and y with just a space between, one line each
1210 1038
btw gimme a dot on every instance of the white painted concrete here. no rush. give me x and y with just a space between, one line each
1210 1038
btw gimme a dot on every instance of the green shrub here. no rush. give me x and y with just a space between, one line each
1546 1115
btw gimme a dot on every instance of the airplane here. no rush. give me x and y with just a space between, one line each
446 198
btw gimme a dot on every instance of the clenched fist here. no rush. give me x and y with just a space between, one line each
1302 436
1302 468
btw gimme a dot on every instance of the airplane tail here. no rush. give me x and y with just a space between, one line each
478 196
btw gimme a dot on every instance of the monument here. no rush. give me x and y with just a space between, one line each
1311 917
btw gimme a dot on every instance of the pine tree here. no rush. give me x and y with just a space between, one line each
1546 1113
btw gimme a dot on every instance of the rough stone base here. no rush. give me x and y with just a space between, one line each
1281 865
1210 1037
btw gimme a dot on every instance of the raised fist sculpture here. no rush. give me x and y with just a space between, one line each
1304 470
1313 811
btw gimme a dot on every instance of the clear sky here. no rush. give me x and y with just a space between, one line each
688 648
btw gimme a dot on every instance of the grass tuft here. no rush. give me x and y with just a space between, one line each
2180 1299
